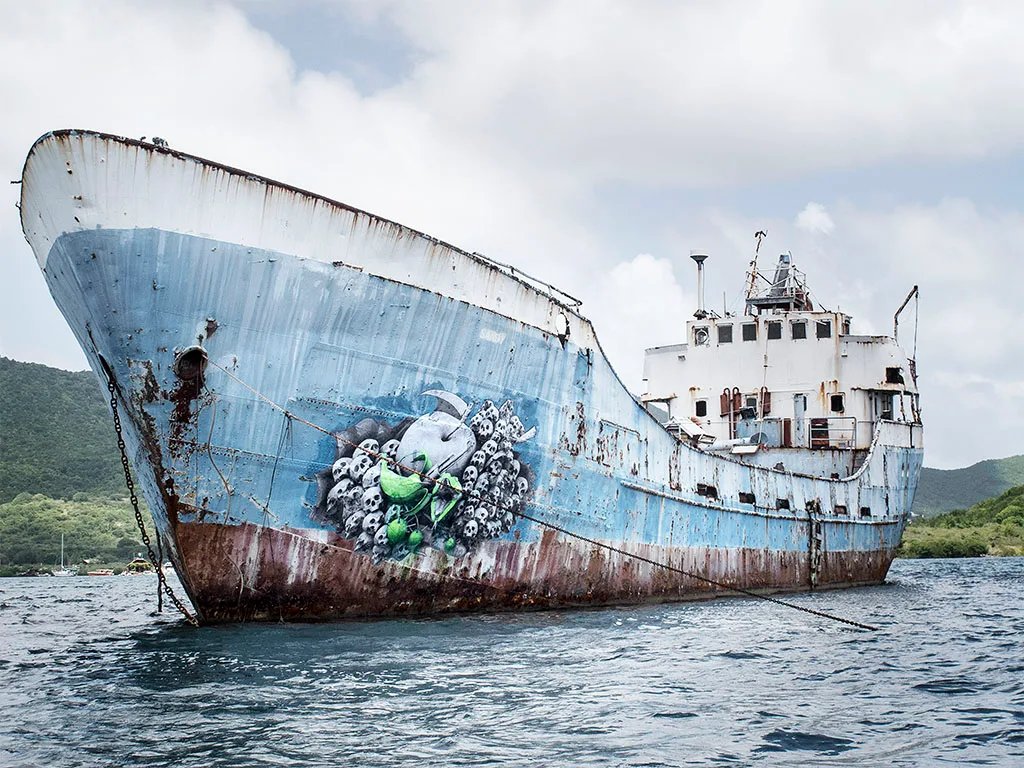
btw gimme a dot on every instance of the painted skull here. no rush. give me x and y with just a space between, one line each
506 411
354 523
354 498
469 475
340 468
522 485
372 522
364 542
335 498
372 476
390 449
501 428
492 528
484 429
515 467
516 428
488 410
478 460
481 515
368 447
380 538
507 521
490 448
373 499
360 464
469 529
476 421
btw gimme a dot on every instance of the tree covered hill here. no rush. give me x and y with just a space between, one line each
943 490
97 530
56 433
991 527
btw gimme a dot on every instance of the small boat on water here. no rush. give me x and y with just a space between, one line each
138 566
332 415
101 572
64 570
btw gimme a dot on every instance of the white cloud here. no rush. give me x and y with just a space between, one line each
515 114
718 93
815 219
637 305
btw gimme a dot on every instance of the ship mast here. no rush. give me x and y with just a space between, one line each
753 274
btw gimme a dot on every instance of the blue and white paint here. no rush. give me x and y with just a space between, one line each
406 356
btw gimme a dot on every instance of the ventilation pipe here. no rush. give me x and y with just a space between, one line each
699 258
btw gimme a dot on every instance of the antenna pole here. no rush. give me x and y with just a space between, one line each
896 317
759 236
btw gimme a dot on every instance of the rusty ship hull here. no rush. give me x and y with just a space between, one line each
285 364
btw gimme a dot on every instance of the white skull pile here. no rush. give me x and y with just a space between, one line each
495 482
495 487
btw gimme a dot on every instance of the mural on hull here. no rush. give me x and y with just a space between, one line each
444 480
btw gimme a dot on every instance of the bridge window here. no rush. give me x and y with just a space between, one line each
701 408
703 489
840 510
799 329
701 336
893 376
774 329
865 511
725 334
824 329
746 498
836 403
782 503
750 331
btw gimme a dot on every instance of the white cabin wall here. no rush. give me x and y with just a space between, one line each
817 368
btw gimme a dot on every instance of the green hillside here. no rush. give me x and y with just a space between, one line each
991 527
102 531
56 434
943 490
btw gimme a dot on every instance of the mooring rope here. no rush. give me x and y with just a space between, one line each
553 526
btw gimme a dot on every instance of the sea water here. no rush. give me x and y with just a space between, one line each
90 675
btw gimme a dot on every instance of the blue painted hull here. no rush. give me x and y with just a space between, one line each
238 472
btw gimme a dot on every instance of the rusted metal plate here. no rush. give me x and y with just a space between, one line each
253 573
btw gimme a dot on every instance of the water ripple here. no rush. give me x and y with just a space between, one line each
91 676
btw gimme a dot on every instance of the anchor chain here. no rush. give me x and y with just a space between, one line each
163 585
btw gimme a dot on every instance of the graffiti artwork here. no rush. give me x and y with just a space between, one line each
443 480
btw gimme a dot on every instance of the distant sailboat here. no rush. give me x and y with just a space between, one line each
64 570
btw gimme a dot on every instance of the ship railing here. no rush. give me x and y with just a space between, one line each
831 432
839 432
557 293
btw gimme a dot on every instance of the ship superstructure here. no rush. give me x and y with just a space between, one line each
332 415
783 384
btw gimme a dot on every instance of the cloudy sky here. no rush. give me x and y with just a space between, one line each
594 144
